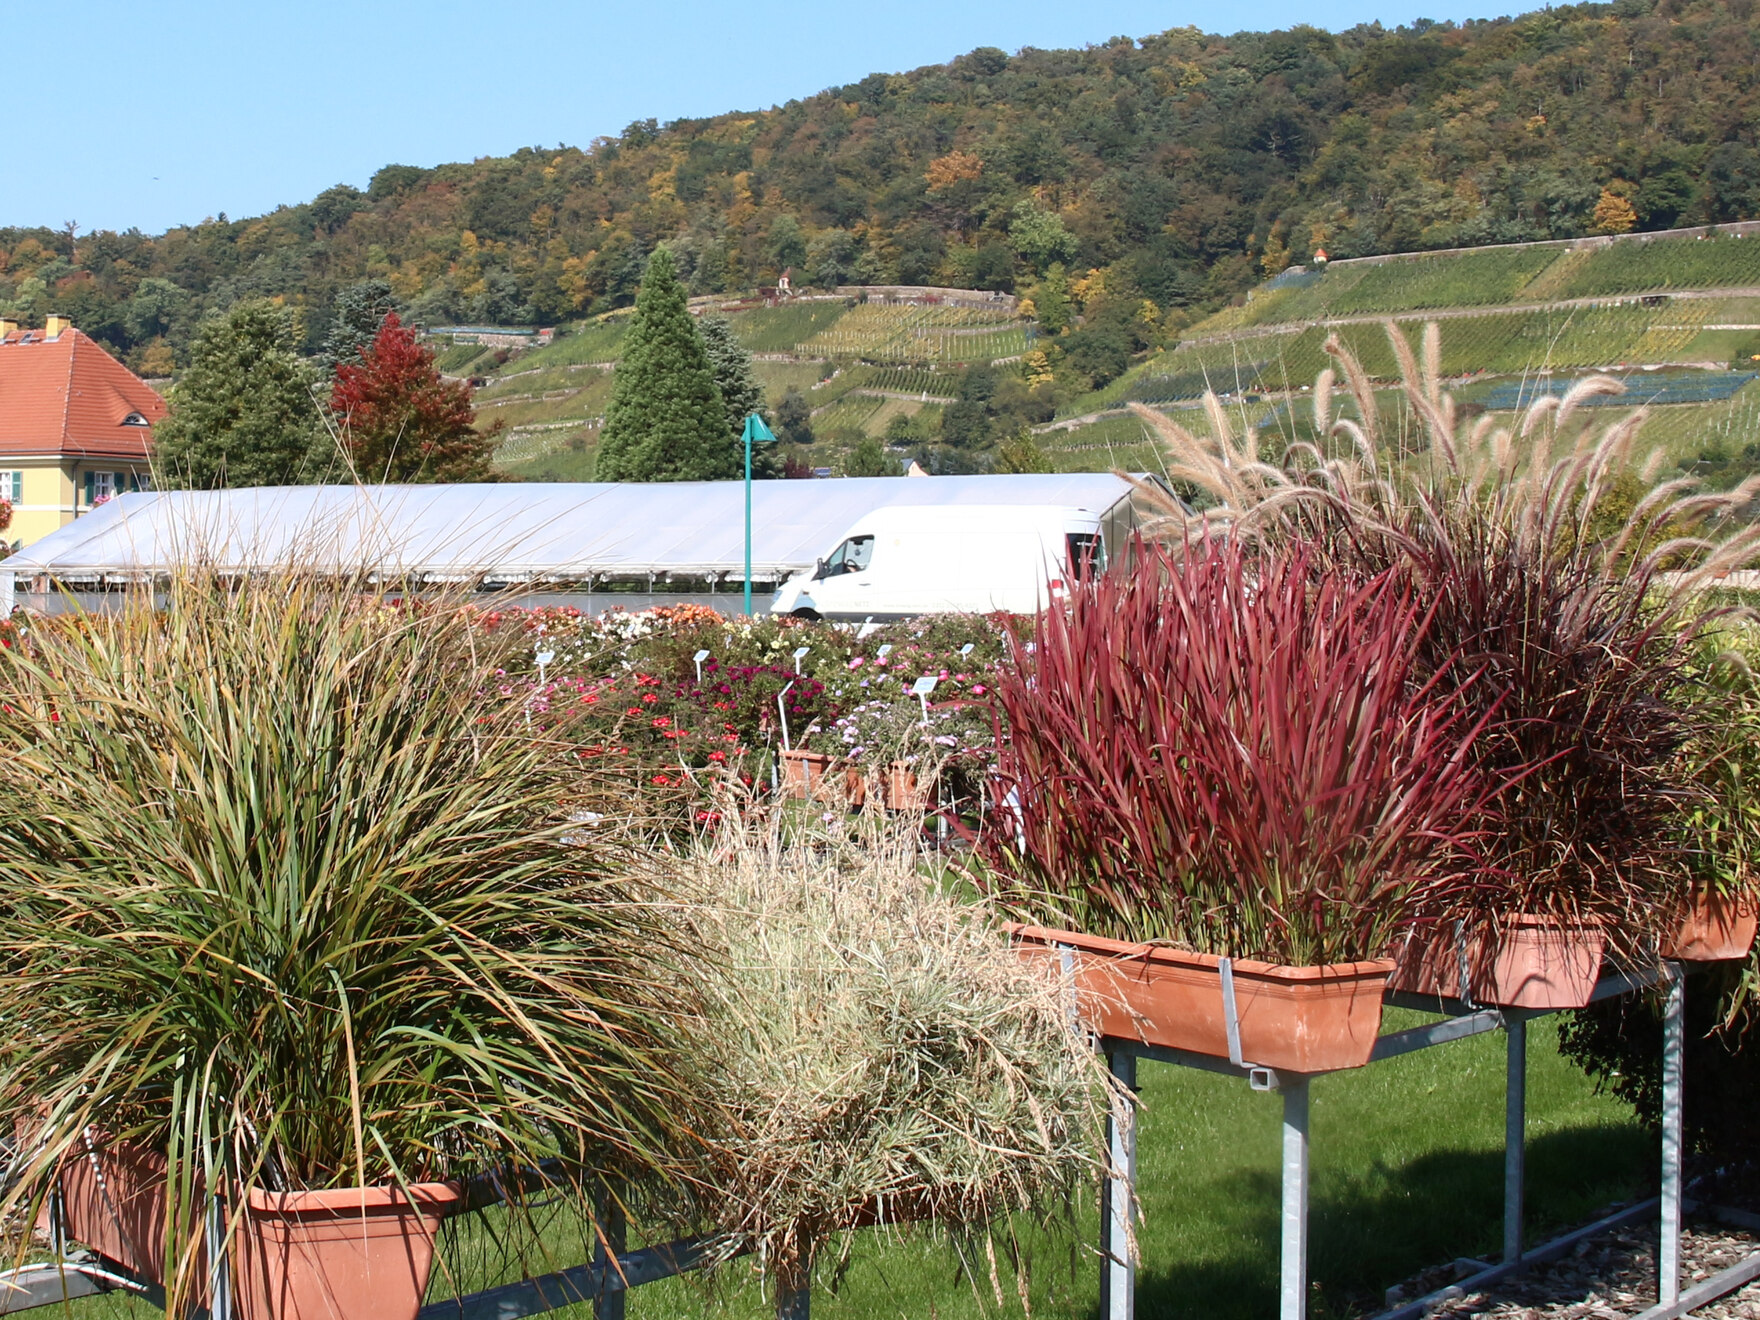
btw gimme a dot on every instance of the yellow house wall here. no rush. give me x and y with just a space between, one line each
54 494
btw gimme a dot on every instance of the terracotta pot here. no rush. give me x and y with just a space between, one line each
357 1253
803 774
1531 962
855 787
114 1200
1714 927
902 790
1300 1019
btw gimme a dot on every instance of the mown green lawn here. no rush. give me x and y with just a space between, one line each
1407 1172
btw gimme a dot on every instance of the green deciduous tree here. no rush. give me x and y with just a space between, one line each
666 420
1051 300
1021 453
794 417
1040 236
870 459
244 413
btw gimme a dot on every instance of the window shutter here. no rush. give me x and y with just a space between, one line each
91 487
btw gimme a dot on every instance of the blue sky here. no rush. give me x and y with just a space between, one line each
161 113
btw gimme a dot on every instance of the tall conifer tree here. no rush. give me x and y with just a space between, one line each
666 420
741 394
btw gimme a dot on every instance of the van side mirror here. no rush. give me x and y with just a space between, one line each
818 569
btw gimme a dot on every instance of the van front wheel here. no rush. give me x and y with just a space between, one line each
807 614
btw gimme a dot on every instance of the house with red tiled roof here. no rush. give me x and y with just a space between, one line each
75 427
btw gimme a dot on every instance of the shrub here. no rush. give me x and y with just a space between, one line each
289 901
1721 832
1235 754
878 1051
1619 1043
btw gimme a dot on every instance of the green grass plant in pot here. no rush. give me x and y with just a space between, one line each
1720 911
1228 755
295 931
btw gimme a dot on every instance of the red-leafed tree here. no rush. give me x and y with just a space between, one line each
401 421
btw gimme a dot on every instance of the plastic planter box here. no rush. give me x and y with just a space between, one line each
1298 1019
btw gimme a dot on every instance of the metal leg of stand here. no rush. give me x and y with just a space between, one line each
219 1268
1515 1137
612 1239
1668 1254
1294 1291
1118 1264
794 1304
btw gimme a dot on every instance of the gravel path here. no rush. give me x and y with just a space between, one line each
1611 1277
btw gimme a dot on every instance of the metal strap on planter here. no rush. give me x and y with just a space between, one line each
1231 1019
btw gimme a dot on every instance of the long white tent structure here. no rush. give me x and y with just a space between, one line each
537 533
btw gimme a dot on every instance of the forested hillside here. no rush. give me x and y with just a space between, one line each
1138 182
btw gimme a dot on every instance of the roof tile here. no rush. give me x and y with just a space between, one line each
68 396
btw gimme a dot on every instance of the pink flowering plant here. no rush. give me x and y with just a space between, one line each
624 693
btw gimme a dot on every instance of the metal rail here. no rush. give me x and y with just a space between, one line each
599 1282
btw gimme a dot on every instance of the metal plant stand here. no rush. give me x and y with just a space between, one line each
1117 1252
614 1270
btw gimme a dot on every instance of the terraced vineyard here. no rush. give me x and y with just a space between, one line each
1496 277
878 332
1677 263
1503 343
907 380
599 340
783 329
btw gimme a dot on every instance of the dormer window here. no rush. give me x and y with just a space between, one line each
135 419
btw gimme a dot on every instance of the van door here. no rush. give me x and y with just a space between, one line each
843 584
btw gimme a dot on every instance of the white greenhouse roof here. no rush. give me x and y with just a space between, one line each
513 531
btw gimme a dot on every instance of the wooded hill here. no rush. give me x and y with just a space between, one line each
1137 182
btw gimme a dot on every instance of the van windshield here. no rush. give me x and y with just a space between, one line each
851 557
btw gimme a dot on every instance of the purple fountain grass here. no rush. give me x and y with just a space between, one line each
1237 753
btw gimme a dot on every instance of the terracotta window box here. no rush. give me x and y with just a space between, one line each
1532 962
896 782
114 1200
803 774
1298 1019
348 1254
1715 928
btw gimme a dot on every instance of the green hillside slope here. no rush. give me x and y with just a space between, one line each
1137 182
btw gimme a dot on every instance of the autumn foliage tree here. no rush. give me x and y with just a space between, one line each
401 421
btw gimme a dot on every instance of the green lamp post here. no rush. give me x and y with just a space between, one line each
757 432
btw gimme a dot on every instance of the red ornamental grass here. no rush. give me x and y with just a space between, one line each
1236 754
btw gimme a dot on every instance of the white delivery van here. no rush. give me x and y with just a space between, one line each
907 560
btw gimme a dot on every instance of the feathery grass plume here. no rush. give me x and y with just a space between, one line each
1357 473
882 1056
292 898
1237 753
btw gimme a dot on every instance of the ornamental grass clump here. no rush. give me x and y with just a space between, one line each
876 1052
1560 574
1236 753
289 902
1586 710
